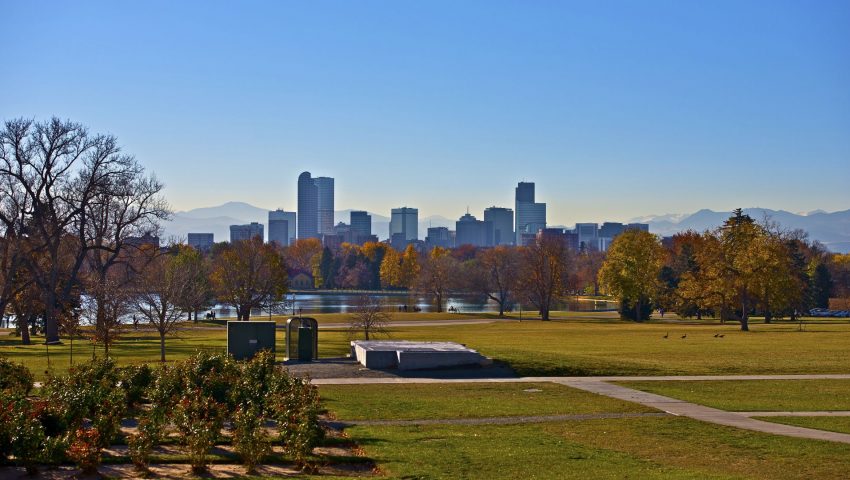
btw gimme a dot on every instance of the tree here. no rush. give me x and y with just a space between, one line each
369 316
497 274
822 285
409 266
631 270
78 196
391 269
162 287
544 273
588 263
437 275
248 274
299 255
198 293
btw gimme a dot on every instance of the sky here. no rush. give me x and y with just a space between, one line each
615 109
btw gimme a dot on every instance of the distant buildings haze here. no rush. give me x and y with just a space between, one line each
246 232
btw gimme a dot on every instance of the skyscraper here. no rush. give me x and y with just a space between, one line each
325 204
282 227
404 226
308 207
588 236
201 241
361 225
246 232
530 216
471 231
503 224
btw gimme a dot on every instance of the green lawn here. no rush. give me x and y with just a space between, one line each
584 344
832 424
612 347
464 400
756 395
635 448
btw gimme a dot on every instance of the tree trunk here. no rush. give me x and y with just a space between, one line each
637 311
51 326
161 347
366 332
23 326
439 303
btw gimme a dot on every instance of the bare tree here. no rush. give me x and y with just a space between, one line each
159 292
370 317
495 274
437 275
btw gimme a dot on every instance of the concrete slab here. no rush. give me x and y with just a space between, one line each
407 355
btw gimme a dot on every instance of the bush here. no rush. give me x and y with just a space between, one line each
135 381
85 449
24 434
295 404
148 434
15 377
249 437
199 419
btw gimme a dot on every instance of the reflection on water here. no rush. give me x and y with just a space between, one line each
308 303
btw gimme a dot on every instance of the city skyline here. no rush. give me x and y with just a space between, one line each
624 109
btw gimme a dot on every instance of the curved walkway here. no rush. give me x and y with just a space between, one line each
496 420
600 386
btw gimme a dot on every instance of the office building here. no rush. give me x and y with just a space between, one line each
282 227
361 226
404 226
147 239
503 225
201 241
308 207
611 229
325 204
530 216
588 236
644 227
246 232
439 237
471 231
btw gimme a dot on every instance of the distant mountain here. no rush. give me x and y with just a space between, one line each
240 210
831 229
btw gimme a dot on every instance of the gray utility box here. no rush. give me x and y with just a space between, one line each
245 339
302 339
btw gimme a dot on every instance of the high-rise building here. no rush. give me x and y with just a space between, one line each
530 216
282 227
308 207
246 232
611 229
325 205
404 226
503 225
588 236
644 227
361 225
439 237
201 241
471 231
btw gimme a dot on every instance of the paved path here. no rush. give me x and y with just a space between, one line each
691 378
824 413
496 420
601 386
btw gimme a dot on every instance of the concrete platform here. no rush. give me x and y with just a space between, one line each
407 355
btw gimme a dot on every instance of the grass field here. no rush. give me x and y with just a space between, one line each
832 424
756 395
639 448
464 400
581 344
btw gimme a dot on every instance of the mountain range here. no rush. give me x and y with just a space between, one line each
831 229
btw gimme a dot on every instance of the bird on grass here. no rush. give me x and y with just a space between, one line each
666 335
721 336
685 336
716 335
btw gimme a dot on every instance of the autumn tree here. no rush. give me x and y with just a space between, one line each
391 269
588 263
248 274
198 293
437 275
495 273
631 271
545 268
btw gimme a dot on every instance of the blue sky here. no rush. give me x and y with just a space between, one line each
614 108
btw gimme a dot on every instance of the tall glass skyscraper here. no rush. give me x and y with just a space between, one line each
282 228
530 216
308 207
315 206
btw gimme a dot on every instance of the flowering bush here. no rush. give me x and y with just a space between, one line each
199 419
85 449
15 378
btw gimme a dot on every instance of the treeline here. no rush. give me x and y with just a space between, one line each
738 270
